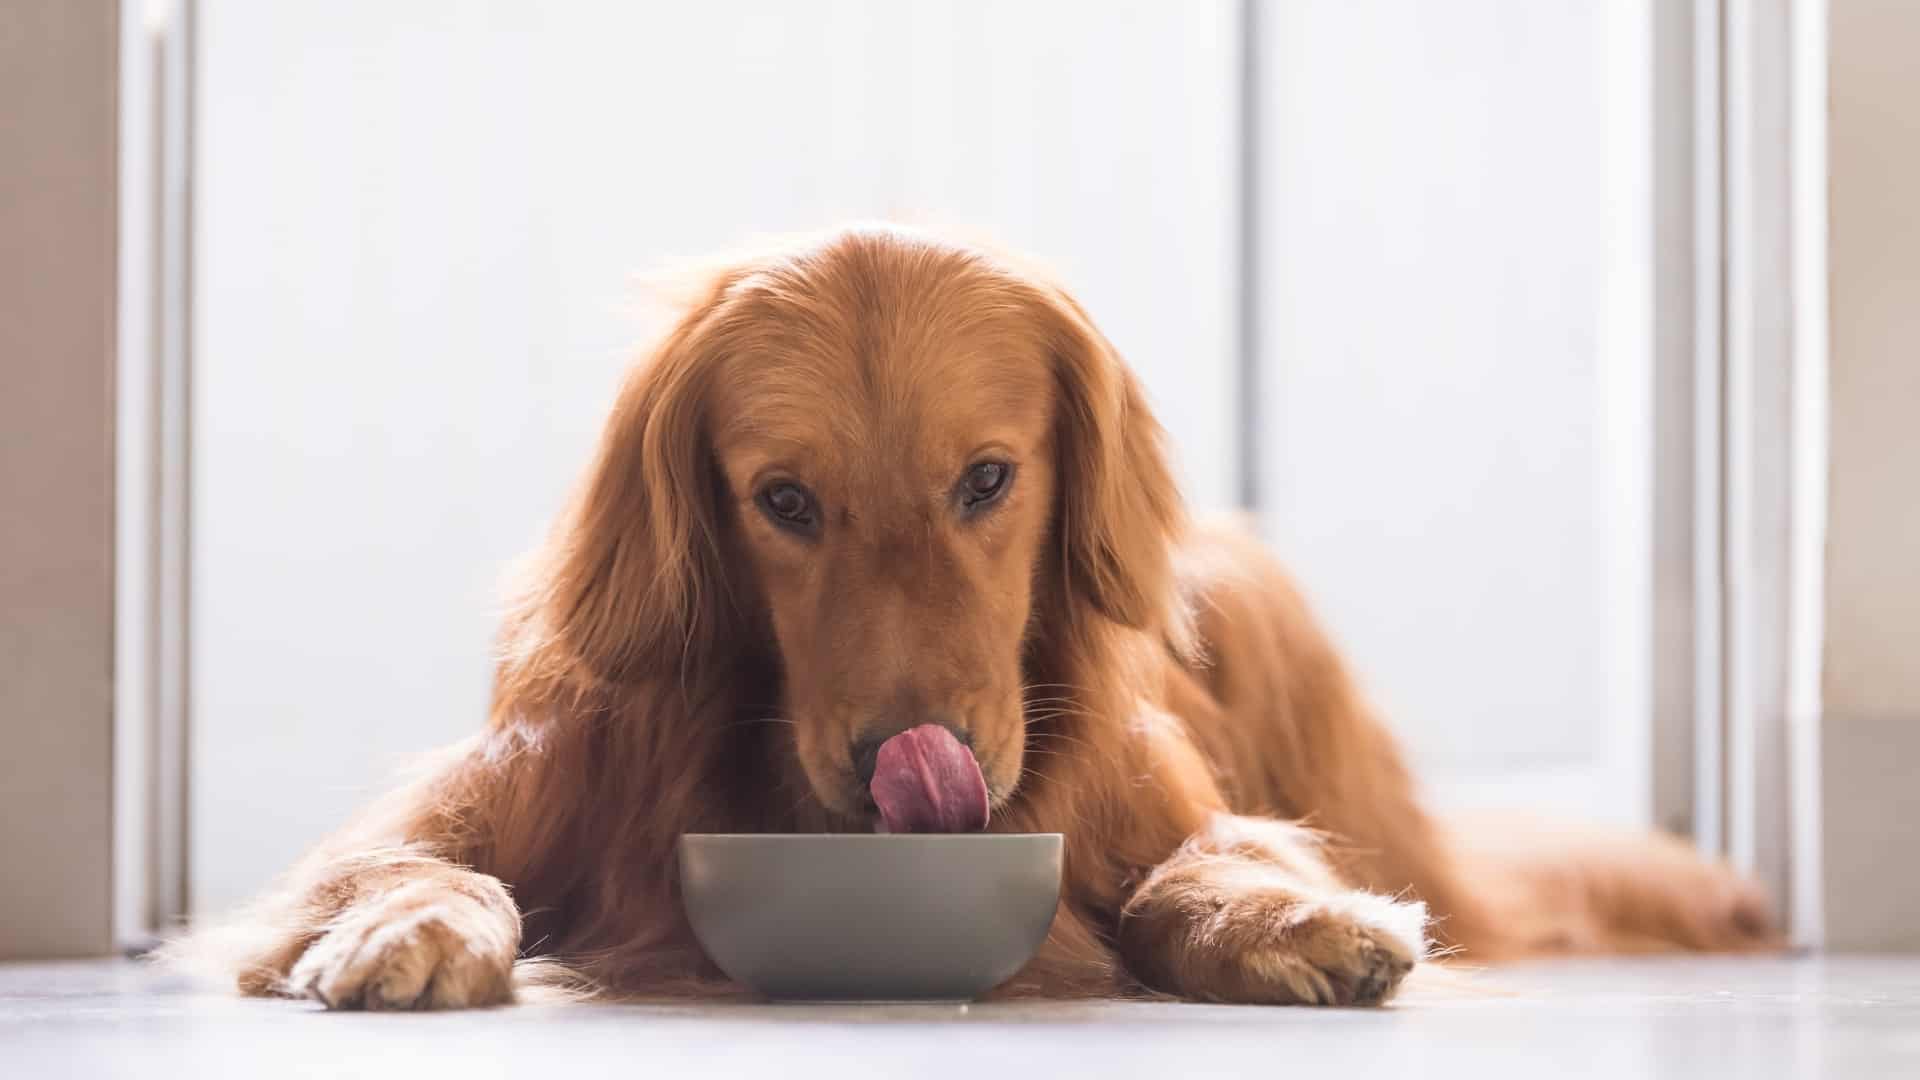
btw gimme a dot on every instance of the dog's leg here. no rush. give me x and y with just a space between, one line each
1250 911
408 907
390 930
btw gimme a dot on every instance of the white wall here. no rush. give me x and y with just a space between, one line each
1455 332
415 227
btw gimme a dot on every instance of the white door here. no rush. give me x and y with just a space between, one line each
1455 368
415 227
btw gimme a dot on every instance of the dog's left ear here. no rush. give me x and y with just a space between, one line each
632 585
1120 512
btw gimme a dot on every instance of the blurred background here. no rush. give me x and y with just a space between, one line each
1508 320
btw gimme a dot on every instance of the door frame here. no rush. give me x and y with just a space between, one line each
1740 439
153 504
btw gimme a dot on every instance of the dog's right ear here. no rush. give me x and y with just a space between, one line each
631 585
1120 514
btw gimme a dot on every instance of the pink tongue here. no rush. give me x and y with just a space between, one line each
925 781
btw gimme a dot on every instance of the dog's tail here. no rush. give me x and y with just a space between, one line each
1545 888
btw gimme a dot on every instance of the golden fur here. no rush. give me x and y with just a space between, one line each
677 661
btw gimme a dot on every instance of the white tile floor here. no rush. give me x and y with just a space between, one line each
1809 1016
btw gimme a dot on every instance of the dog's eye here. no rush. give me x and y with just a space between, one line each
788 504
984 482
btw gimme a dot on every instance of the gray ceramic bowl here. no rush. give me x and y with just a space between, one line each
855 917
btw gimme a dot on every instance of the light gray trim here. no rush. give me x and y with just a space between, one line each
1675 308
1689 761
1709 773
136 487
1758 437
151 593
175 518
1247 414
1807 604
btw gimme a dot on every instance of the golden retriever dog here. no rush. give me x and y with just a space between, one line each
882 535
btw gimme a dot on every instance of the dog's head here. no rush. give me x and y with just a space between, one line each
892 464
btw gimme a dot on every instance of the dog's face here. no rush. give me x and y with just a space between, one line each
885 442
908 460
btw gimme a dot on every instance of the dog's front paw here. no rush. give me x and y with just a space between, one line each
1350 949
422 946
1249 911
1212 941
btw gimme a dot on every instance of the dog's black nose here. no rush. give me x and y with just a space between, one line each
866 748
